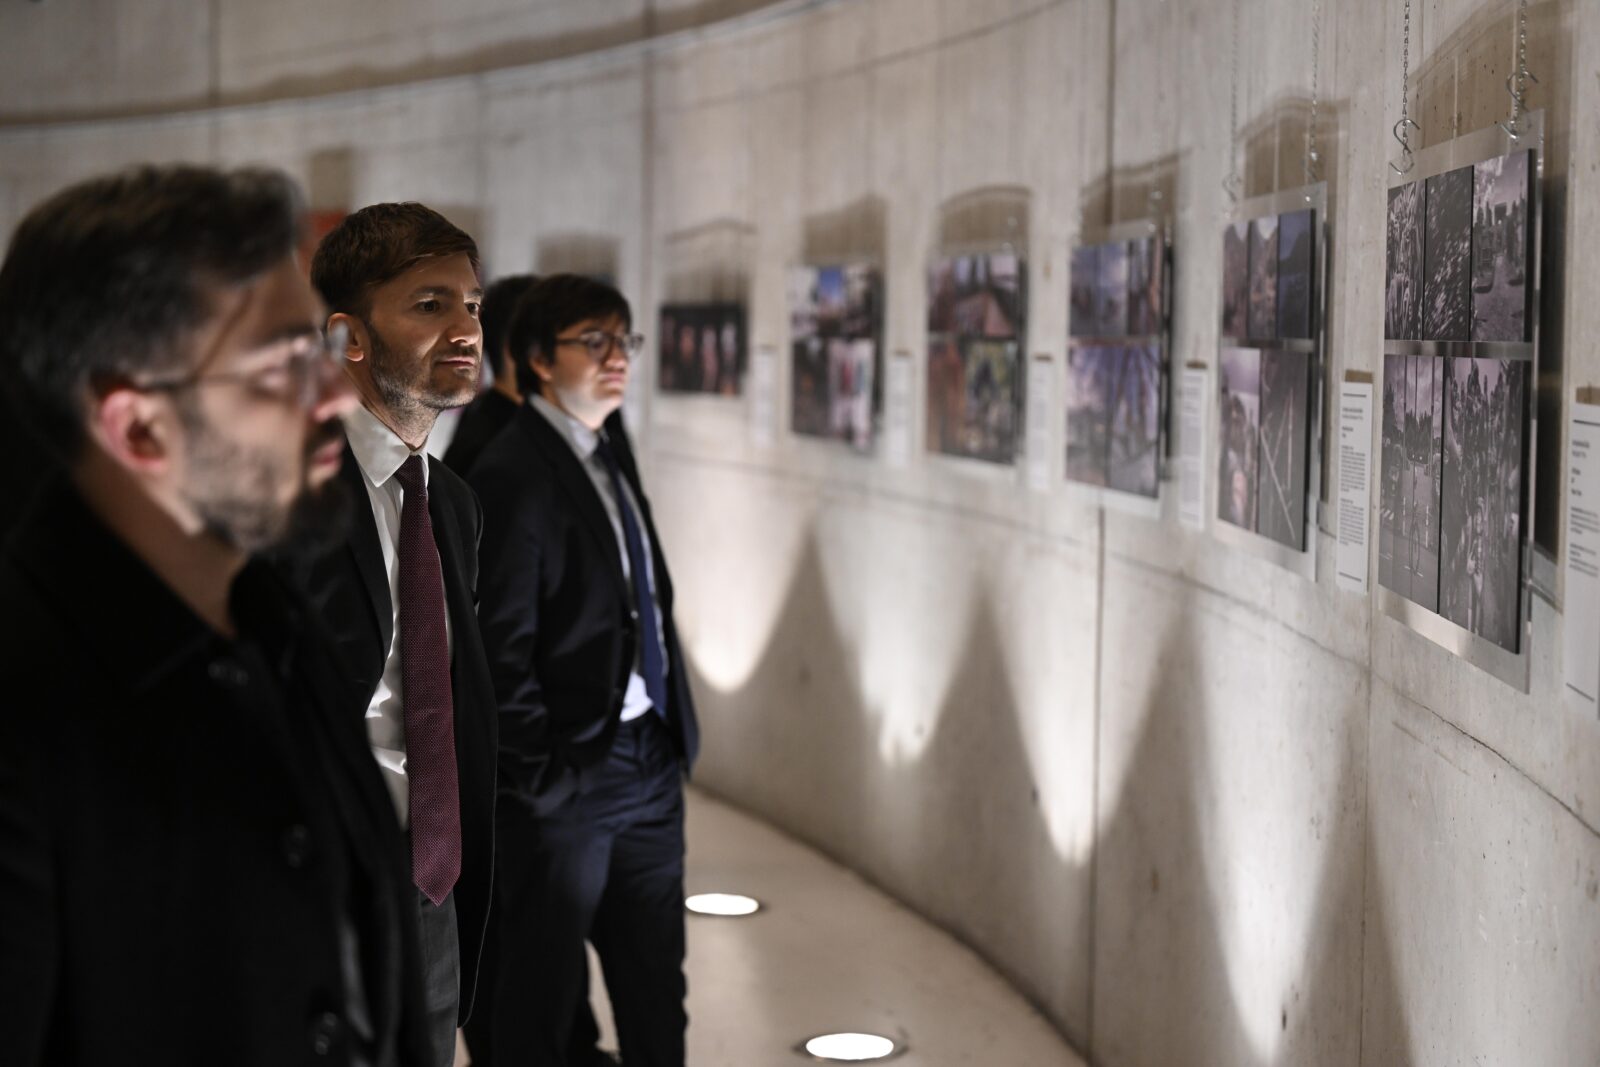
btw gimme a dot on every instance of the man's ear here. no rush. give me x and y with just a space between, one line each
540 365
359 343
134 428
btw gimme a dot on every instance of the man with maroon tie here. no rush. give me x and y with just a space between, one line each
400 595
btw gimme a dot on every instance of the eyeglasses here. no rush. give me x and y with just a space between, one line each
300 377
599 343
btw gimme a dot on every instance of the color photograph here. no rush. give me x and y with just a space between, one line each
1236 279
1296 241
1263 315
1285 415
834 317
1402 313
1238 435
947 389
850 387
1500 248
1146 263
977 296
1089 372
1481 579
1083 291
1111 308
679 341
992 402
1133 446
1447 300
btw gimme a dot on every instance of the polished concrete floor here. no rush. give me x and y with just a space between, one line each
828 953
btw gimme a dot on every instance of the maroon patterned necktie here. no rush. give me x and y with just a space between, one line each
435 801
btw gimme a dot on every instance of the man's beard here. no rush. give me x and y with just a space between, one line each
409 391
236 492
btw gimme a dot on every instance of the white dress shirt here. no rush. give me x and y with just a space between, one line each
380 453
636 701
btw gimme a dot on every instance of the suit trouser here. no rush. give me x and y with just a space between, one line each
439 941
606 866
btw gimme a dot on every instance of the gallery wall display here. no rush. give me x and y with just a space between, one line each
977 323
702 349
1270 375
836 345
1117 373
1459 370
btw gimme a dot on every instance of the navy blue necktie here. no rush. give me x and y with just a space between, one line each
652 665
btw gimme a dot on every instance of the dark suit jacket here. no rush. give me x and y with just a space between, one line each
557 612
480 423
186 821
351 587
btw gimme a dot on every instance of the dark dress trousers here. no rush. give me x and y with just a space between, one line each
480 423
590 809
351 588
199 862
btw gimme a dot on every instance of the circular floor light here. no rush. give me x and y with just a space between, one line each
723 905
851 1048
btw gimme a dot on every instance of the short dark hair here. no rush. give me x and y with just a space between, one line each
550 306
104 280
499 304
379 243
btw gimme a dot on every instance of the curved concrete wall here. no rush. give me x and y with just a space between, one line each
1201 811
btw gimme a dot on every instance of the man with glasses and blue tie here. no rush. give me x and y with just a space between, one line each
597 724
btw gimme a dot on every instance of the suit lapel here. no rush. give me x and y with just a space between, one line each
447 537
575 481
366 552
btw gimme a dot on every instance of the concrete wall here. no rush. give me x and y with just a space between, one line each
1203 812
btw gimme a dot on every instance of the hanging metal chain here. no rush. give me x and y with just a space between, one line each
1312 159
1517 84
1403 128
1232 182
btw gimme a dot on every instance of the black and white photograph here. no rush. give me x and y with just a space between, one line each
1391 454
1413 418
978 296
1500 189
1084 291
1263 317
1447 298
1238 435
1481 576
1296 241
835 315
1133 445
1111 310
1402 312
1146 262
1236 280
992 404
1285 415
1089 372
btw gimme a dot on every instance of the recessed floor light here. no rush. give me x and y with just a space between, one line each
851 1048
724 905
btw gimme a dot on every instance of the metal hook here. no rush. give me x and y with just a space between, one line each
1516 105
1231 185
1405 146
1309 165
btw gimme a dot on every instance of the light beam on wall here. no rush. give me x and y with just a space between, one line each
851 1048
722 905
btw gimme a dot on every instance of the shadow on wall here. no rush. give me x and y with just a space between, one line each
592 255
1146 978
1127 194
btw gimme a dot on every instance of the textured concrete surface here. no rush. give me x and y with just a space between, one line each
1199 811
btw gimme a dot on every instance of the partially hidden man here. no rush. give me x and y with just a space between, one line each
597 725
199 864
399 596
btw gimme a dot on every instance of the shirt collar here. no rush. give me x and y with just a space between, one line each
582 439
377 449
